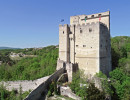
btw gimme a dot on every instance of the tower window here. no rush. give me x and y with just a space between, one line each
84 45
99 15
80 31
63 32
101 45
91 47
90 30
92 16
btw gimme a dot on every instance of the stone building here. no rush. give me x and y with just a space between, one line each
86 43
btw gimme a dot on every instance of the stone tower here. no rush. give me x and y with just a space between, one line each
86 42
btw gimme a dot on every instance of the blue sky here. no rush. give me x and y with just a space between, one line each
34 23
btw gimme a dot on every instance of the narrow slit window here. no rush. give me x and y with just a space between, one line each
81 31
76 45
90 29
63 32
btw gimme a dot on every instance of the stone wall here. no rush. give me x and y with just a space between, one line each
105 49
87 47
40 92
64 42
84 42
26 85
80 19
66 91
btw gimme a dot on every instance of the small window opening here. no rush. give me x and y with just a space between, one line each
92 16
63 32
99 15
84 45
91 47
71 39
81 31
101 45
90 30
76 45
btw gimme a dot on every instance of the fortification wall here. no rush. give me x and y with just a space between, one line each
66 91
84 42
41 91
72 43
105 50
25 85
87 47
80 19
64 42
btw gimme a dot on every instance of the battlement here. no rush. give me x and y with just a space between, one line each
103 17
85 24
65 25
92 16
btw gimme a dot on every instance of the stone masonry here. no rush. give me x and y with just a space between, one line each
86 42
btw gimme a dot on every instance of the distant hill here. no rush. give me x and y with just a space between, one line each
8 48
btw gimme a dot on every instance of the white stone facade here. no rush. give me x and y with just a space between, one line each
86 41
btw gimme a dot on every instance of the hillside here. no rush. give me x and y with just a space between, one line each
29 68
8 48
43 63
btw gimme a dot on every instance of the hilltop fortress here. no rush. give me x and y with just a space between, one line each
85 44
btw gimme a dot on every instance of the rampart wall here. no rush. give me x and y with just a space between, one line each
25 85
40 92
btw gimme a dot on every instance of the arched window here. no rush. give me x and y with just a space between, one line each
99 15
92 16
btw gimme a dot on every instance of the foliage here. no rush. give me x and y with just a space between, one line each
105 83
86 90
120 49
120 76
30 68
94 93
52 89
121 82
11 95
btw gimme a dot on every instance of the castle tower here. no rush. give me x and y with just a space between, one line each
64 43
87 42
